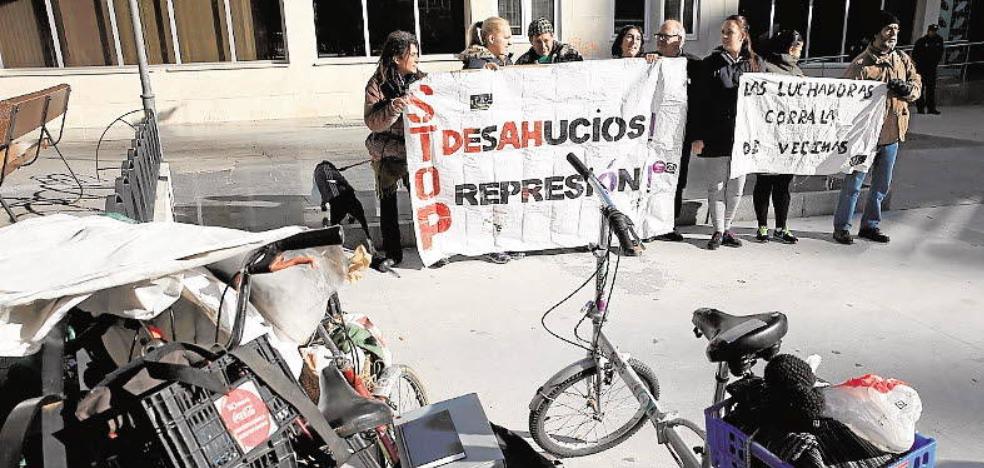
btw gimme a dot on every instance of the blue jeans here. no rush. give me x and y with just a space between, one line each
881 180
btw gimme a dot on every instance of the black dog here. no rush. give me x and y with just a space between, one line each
338 198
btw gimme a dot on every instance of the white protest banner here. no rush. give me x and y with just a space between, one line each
487 151
806 126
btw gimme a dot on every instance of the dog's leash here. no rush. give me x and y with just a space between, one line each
350 166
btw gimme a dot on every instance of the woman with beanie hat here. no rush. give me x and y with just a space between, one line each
784 50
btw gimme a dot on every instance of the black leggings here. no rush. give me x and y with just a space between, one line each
776 185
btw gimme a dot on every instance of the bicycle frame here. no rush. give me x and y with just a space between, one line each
602 349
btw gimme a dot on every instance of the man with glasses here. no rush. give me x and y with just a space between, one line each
669 43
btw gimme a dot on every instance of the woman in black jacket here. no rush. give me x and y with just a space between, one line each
784 52
717 86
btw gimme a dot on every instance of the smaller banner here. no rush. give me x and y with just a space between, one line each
806 126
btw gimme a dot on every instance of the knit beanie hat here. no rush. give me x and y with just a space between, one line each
539 26
786 371
882 19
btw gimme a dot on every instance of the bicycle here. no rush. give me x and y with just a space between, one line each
582 396
362 375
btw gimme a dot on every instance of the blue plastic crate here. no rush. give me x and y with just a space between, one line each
727 446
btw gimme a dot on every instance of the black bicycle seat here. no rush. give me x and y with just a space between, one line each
348 412
732 337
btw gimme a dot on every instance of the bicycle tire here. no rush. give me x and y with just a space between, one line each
408 380
539 416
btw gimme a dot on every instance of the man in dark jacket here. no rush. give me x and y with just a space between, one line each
544 46
669 43
927 54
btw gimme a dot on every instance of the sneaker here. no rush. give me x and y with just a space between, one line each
874 235
843 236
499 258
715 241
672 236
935 112
762 235
784 236
730 239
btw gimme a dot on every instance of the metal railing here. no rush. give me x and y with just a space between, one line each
136 186
957 55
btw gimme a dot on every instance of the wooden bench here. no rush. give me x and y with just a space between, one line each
24 131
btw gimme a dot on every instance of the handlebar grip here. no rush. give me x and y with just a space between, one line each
312 238
621 225
579 166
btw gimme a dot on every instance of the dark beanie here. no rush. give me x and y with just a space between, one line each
539 26
882 19
786 371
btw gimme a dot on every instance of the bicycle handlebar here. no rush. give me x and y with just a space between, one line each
618 222
260 262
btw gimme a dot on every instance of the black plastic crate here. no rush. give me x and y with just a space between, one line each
179 426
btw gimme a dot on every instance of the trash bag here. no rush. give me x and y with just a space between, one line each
518 453
882 411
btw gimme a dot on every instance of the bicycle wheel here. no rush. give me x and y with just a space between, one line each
408 393
566 425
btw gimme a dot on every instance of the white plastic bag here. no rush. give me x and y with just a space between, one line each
881 411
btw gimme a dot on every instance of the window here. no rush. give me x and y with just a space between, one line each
73 33
520 13
686 12
630 13
25 35
342 31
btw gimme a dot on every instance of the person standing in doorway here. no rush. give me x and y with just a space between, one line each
927 54
669 43
544 46
880 62
385 101
783 53
717 102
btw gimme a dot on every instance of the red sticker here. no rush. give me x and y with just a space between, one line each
246 416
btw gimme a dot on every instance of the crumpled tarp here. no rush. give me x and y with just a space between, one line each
50 264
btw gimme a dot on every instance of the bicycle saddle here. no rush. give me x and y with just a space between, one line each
348 412
732 337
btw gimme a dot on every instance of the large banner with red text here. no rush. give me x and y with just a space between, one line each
487 151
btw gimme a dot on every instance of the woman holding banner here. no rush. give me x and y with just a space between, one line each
488 45
628 42
386 100
784 51
717 103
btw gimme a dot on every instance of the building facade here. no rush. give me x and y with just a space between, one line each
230 60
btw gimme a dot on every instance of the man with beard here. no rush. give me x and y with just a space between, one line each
880 62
